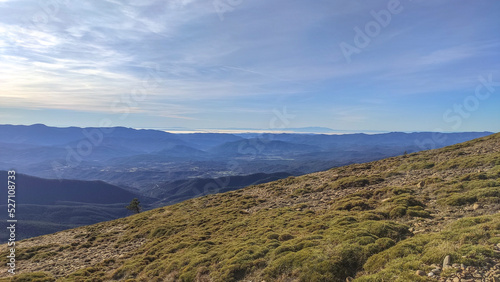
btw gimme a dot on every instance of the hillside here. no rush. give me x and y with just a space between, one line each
37 190
177 191
49 205
389 220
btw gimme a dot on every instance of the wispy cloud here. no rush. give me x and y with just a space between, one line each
86 55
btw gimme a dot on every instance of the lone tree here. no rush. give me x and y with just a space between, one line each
135 206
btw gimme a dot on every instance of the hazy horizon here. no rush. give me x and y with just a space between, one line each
302 130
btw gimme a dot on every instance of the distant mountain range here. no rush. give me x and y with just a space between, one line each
138 159
91 173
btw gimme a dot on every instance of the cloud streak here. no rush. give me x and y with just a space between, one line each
84 55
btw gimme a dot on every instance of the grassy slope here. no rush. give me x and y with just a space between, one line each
379 221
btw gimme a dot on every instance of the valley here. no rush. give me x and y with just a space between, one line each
396 217
73 176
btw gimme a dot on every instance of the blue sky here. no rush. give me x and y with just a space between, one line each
409 65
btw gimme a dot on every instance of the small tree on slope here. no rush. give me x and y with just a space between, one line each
134 206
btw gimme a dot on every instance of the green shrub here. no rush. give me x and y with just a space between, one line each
399 190
285 237
365 240
474 176
385 229
385 243
371 216
402 249
460 200
351 181
417 165
273 236
405 200
417 211
466 241
344 220
284 249
352 203
34 277
397 212
488 194
356 181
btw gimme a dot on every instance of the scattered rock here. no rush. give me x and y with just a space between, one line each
421 184
420 273
446 262
476 206
431 274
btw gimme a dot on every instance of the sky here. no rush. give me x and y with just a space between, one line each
381 65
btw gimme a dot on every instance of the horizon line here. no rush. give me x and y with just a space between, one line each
232 130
